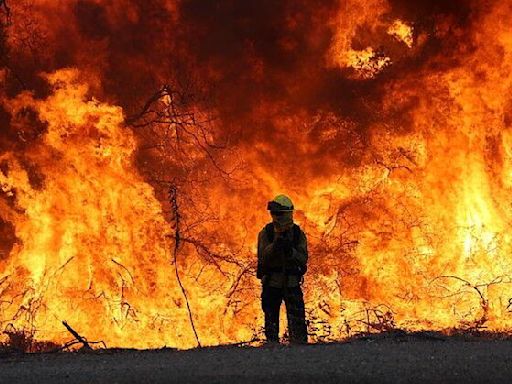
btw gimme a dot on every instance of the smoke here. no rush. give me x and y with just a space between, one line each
255 59
318 99
263 69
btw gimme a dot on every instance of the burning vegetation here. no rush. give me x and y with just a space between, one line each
141 140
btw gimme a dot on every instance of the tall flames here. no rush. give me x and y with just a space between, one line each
131 209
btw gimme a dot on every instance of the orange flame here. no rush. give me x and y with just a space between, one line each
395 146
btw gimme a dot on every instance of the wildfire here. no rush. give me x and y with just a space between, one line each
81 229
402 32
367 62
140 143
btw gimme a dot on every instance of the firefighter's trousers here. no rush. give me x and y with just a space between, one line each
271 299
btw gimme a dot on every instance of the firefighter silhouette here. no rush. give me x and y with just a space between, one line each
282 263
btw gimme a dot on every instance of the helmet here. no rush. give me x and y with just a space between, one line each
280 203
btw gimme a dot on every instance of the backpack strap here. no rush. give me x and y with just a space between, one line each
296 236
269 230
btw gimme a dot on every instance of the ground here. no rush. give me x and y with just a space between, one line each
381 360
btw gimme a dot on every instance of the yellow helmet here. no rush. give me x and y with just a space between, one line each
280 203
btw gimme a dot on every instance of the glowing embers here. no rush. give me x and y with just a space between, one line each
367 63
402 32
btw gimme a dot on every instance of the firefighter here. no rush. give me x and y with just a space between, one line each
282 263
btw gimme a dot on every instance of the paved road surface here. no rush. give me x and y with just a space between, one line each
376 361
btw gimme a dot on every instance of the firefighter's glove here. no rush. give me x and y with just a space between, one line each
282 244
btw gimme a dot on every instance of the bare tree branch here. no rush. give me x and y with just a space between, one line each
77 336
173 198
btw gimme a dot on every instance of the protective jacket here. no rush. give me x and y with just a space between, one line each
282 260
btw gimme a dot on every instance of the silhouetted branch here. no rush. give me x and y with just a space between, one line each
173 198
177 126
484 301
126 269
77 336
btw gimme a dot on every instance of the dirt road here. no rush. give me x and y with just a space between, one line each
375 361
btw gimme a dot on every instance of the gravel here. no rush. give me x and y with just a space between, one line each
362 361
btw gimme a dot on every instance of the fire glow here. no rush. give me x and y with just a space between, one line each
140 143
